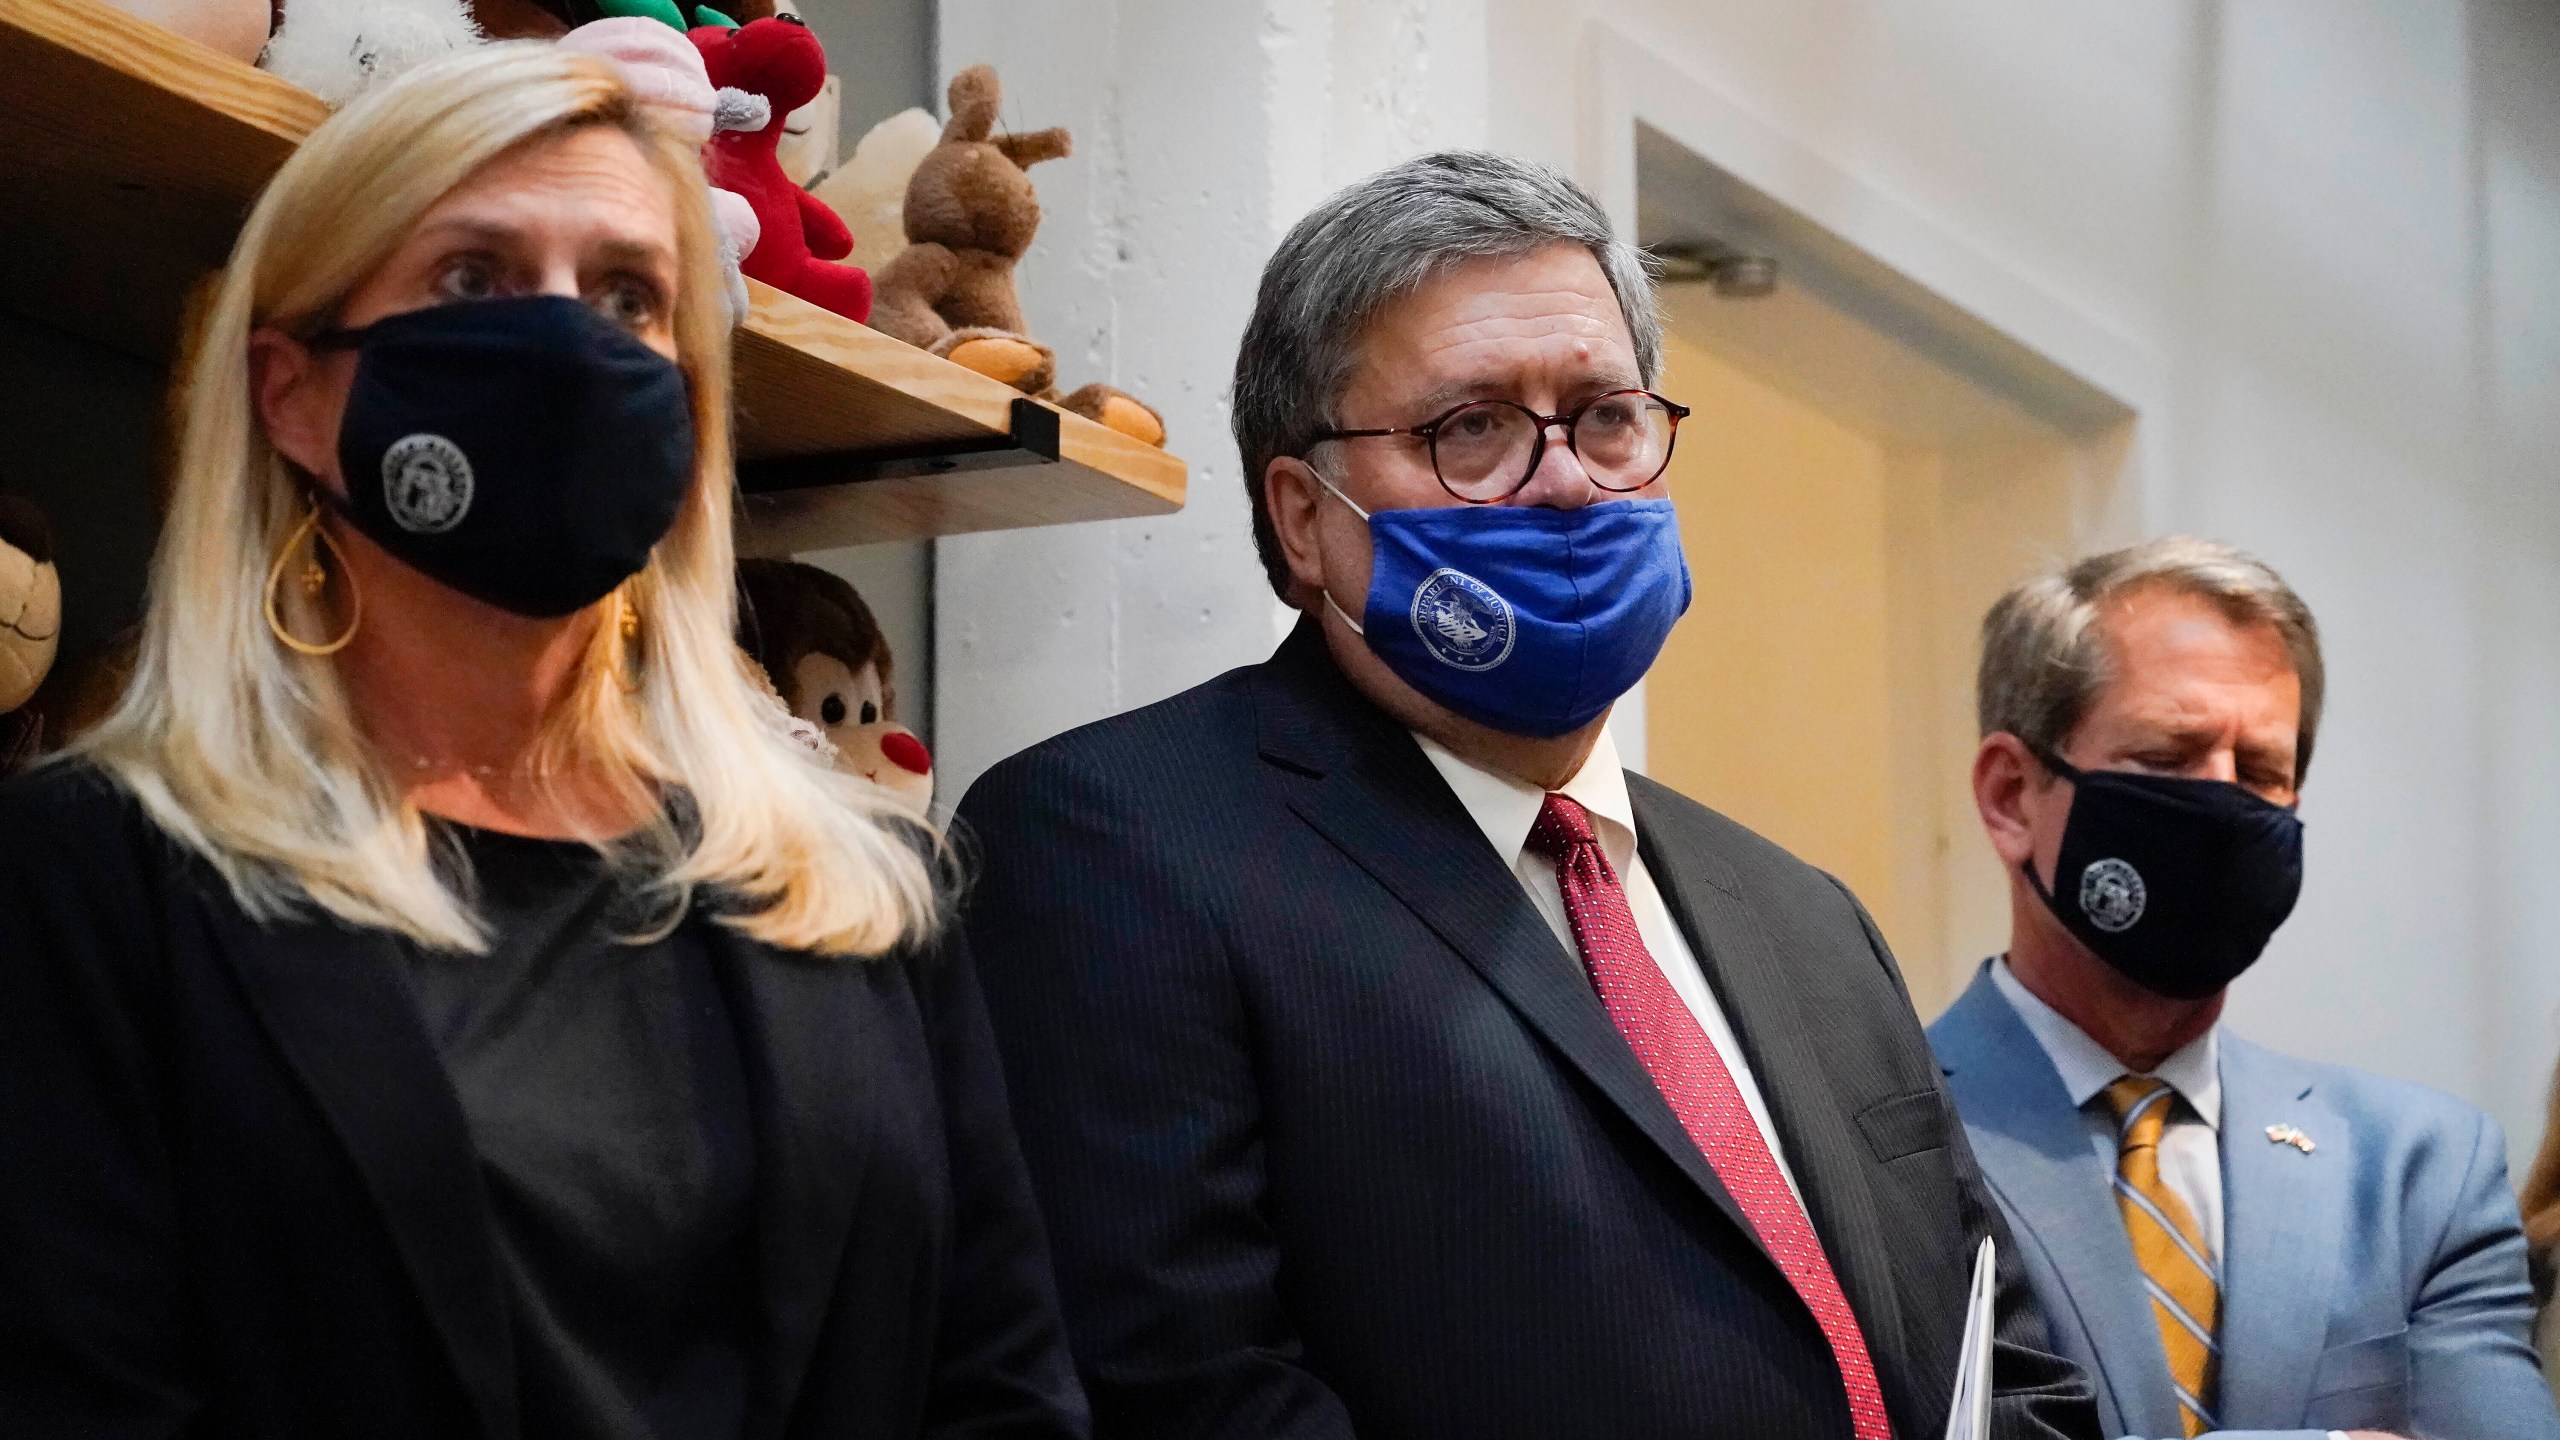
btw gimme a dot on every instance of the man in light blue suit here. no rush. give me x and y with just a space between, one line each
2226 1240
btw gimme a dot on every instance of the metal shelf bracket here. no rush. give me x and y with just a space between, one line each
1033 440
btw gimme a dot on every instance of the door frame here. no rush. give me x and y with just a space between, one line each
1934 276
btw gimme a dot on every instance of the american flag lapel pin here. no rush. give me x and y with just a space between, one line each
2291 1135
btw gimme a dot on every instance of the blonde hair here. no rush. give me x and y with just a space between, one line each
249 753
2044 657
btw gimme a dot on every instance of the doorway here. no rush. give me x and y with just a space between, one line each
1858 482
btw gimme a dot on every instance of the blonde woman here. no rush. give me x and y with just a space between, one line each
443 1000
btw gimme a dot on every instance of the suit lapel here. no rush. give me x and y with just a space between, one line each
340 1010
804 1034
1749 977
2035 1150
2282 1212
1357 778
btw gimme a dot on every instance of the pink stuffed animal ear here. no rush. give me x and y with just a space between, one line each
661 67
737 220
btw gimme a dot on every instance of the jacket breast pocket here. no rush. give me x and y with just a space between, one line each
2362 1384
1905 1124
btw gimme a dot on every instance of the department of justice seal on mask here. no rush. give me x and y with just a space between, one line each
2112 895
1579 604
426 483
1463 622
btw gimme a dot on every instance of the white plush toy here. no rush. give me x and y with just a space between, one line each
807 149
870 190
336 49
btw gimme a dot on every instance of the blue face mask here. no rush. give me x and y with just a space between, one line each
1529 620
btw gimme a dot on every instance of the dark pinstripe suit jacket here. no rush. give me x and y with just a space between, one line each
1336 1139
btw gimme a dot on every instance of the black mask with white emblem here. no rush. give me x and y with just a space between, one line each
527 452
2177 883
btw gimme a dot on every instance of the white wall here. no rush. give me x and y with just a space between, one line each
2335 224
2337 227
1202 129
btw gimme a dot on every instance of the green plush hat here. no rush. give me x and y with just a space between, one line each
669 11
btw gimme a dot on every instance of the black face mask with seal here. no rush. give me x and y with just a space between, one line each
527 452
2177 883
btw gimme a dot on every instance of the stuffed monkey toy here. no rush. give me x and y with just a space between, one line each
823 652
30 625
970 215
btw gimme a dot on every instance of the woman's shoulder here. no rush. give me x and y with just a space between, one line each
85 877
70 814
70 798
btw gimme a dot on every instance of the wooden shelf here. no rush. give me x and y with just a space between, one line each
812 385
129 157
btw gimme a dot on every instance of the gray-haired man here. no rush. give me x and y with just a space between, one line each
2227 1240
1391 1062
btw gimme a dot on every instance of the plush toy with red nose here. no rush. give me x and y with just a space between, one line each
781 60
823 651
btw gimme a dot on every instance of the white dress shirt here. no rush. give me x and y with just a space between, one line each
1506 809
2190 1146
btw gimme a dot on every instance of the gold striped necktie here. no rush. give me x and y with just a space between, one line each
2177 1272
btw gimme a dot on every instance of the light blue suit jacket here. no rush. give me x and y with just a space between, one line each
2377 1282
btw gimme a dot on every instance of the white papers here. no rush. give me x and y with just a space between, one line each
1969 1414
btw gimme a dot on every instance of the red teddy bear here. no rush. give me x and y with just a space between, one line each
780 59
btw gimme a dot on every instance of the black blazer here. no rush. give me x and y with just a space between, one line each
237 1197
1335 1138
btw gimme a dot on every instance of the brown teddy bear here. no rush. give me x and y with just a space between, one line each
823 652
970 215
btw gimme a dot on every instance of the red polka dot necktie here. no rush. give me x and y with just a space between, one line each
1693 1078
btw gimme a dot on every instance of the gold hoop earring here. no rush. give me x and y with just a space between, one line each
628 622
314 580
